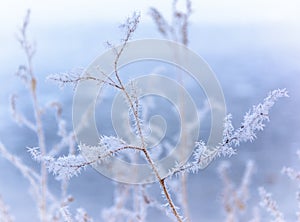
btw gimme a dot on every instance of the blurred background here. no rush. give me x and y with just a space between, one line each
252 46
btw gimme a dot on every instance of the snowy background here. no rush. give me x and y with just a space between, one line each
253 47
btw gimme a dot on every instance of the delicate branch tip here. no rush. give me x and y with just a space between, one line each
270 205
72 77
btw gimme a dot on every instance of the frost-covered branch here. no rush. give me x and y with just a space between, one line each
71 165
129 26
26 171
67 139
294 175
161 23
177 28
118 210
19 117
270 205
29 174
5 216
73 77
253 121
82 216
66 215
235 199
291 173
26 73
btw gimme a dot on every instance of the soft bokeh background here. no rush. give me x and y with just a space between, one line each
253 47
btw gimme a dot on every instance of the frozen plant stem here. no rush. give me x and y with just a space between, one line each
177 30
148 157
4 212
270 205
134 107
27 74
131 26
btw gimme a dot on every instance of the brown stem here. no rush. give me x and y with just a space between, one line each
170 202
184 193
31 83
146 153
42 145
134 109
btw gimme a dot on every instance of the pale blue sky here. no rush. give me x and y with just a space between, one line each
57 13
216 11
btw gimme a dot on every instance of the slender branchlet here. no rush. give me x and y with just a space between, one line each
270 205
82 215
234 199
121 207
177 28
253 121
118 209
26 73
294 175
4 212
47 204
71 165
130 26
18 116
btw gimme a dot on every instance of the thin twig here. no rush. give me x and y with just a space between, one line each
29 50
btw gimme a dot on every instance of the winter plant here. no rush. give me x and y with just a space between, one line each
271 206
131 202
